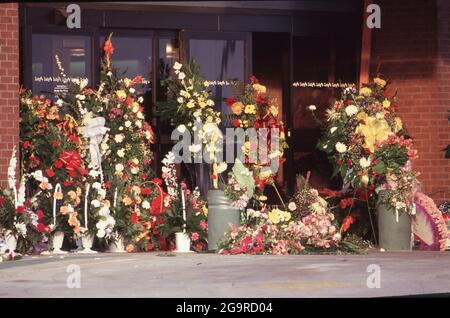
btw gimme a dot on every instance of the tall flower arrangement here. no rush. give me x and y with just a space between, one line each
368 145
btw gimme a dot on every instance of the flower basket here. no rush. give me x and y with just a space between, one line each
393 235
220 215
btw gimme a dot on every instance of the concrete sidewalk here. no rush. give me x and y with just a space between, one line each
210 275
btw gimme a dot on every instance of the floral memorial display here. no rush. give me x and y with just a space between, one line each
82 177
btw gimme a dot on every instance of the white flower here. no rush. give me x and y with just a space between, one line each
292 206
146 205
135 170
94 173
177 66
101 233
37 175
221 167
135 108
83 83
59 102
119 138
181 128
210 102
102 192
351 110
180 100
195 148
333 129
312 107
104 146
340 147
364 162
132 90
80 97
119 167
120 128
96 185
96 203
121 152
109 74
181 76
128 124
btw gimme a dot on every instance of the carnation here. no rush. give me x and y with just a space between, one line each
351 110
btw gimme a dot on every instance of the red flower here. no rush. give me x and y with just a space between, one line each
348 220
236 123
149 246
256 125
344 203
41 228
264 228
108 48
20 209
203 225
67 183
50 173
254 80
58 164
55 144
157 206
158 181
26 144
129 101
134 218
329 193
137 79
145 191
230 101
260 99
40 214
348 162
106 185
74 138
195 236
339 162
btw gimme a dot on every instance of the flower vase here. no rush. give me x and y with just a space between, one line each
118 245
220 215
11 241
58 239
182 242
393 234
87 240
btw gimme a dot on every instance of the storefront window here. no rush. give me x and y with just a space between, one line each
74 52
221 62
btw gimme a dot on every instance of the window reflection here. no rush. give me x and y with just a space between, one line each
219 60
74 53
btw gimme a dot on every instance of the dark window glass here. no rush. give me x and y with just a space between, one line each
74 53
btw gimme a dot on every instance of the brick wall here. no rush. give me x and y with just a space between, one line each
412 49
9 84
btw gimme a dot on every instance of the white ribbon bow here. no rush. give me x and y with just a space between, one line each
95 130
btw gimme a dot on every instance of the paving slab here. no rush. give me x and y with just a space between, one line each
236 276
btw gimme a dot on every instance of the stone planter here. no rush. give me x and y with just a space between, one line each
220 215
58 239
182 243
118 245
393 235
87 240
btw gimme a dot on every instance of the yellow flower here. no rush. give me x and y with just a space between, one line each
121 94
380 82
262 198
365 91
274 217
246 147
386 103
205 210
286 216
398 124
374 130
365 179
250 109
261 89
127 200
202 104
274 110
127 82
190 104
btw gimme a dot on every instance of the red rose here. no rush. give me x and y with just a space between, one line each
158 181
230 101
56 144
256 125
339 162
348 162
254 80
26 144
264 228
134 218
20 209
145 191
67 183
236 123
40 214
106 185
50 173
58 164
41 228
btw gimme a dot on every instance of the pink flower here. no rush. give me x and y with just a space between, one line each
195 236
203 225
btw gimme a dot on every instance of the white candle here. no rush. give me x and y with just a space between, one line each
184 209
86 197
57 188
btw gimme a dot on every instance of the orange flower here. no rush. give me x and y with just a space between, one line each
44 185
236 108
63 210
58 195
130 248
73 221
138 199
53 113
127 200
108 48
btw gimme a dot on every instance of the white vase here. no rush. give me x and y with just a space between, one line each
11 240
87 240
118 245
182 243
58 239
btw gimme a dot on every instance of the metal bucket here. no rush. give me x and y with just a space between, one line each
393 235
